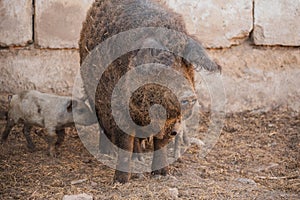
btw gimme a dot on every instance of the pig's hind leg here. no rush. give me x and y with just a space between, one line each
26 132
10 124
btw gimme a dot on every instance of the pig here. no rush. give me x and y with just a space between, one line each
188 102
49 111
107 18
179 130
183 139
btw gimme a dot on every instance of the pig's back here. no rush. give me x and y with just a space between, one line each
35 108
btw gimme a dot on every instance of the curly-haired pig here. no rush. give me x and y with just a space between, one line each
108 18
49 111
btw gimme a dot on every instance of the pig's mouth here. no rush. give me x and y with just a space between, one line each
187 113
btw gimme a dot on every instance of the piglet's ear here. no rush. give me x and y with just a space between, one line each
71 104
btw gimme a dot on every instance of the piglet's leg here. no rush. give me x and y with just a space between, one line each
137 150
178 142
186 139
26 132
60 137
159 162
51 140
10 124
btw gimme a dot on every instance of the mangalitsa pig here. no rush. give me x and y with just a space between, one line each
49 111
107 19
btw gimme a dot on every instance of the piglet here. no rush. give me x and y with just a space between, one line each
49 111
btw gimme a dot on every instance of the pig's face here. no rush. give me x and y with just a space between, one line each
188 100
81 112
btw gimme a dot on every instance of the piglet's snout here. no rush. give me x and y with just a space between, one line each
176 129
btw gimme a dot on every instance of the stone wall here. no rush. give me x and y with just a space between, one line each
256 42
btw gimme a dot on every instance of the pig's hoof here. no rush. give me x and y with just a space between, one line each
138 176
164 171
53 154
138 158
31 148
186 141
179 159
141 159
58 143
177 154
121 177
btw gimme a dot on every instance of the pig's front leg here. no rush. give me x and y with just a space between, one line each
178 142
125 144
51 140
186 139
60 137
160 162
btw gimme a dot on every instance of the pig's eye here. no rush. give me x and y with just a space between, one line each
184 102
80 111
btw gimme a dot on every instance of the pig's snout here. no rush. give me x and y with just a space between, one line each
174 133
176 129
83 115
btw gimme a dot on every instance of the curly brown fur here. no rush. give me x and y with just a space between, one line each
107 18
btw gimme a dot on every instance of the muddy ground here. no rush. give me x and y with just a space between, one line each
256 157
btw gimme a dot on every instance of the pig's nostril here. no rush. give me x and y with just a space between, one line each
173 133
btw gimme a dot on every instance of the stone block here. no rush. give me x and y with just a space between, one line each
51 71
216 23
252 82
58 22
276 22
16 22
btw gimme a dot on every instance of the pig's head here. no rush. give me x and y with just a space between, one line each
81 113
177 128
187 101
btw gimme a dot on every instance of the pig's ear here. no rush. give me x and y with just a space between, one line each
71 104
152 43
9 98
152 50
195 54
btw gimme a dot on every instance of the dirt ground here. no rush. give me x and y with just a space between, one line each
256 157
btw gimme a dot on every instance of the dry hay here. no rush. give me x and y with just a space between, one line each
256 157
